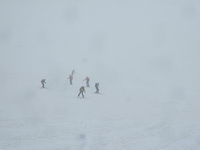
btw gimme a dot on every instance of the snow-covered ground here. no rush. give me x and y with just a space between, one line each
144 54
53 118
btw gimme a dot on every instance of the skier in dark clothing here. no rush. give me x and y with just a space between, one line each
82 89
43 81
97 87
87 79
70 78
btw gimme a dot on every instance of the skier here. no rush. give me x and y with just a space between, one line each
43 82
97 87
70 78
82 89
87 79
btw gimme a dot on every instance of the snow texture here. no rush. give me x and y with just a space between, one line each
144 55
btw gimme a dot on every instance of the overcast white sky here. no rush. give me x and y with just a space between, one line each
132 40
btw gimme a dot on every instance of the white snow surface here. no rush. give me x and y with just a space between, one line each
145 55
55 119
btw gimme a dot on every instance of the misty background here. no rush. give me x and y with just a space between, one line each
151 42
137 50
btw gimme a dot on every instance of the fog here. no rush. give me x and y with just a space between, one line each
144 50
147 39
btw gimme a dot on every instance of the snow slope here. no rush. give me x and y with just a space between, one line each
54 119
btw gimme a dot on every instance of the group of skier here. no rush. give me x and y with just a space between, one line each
82 89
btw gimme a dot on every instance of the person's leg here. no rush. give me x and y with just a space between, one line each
79 94
71 82
82 95
96 89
